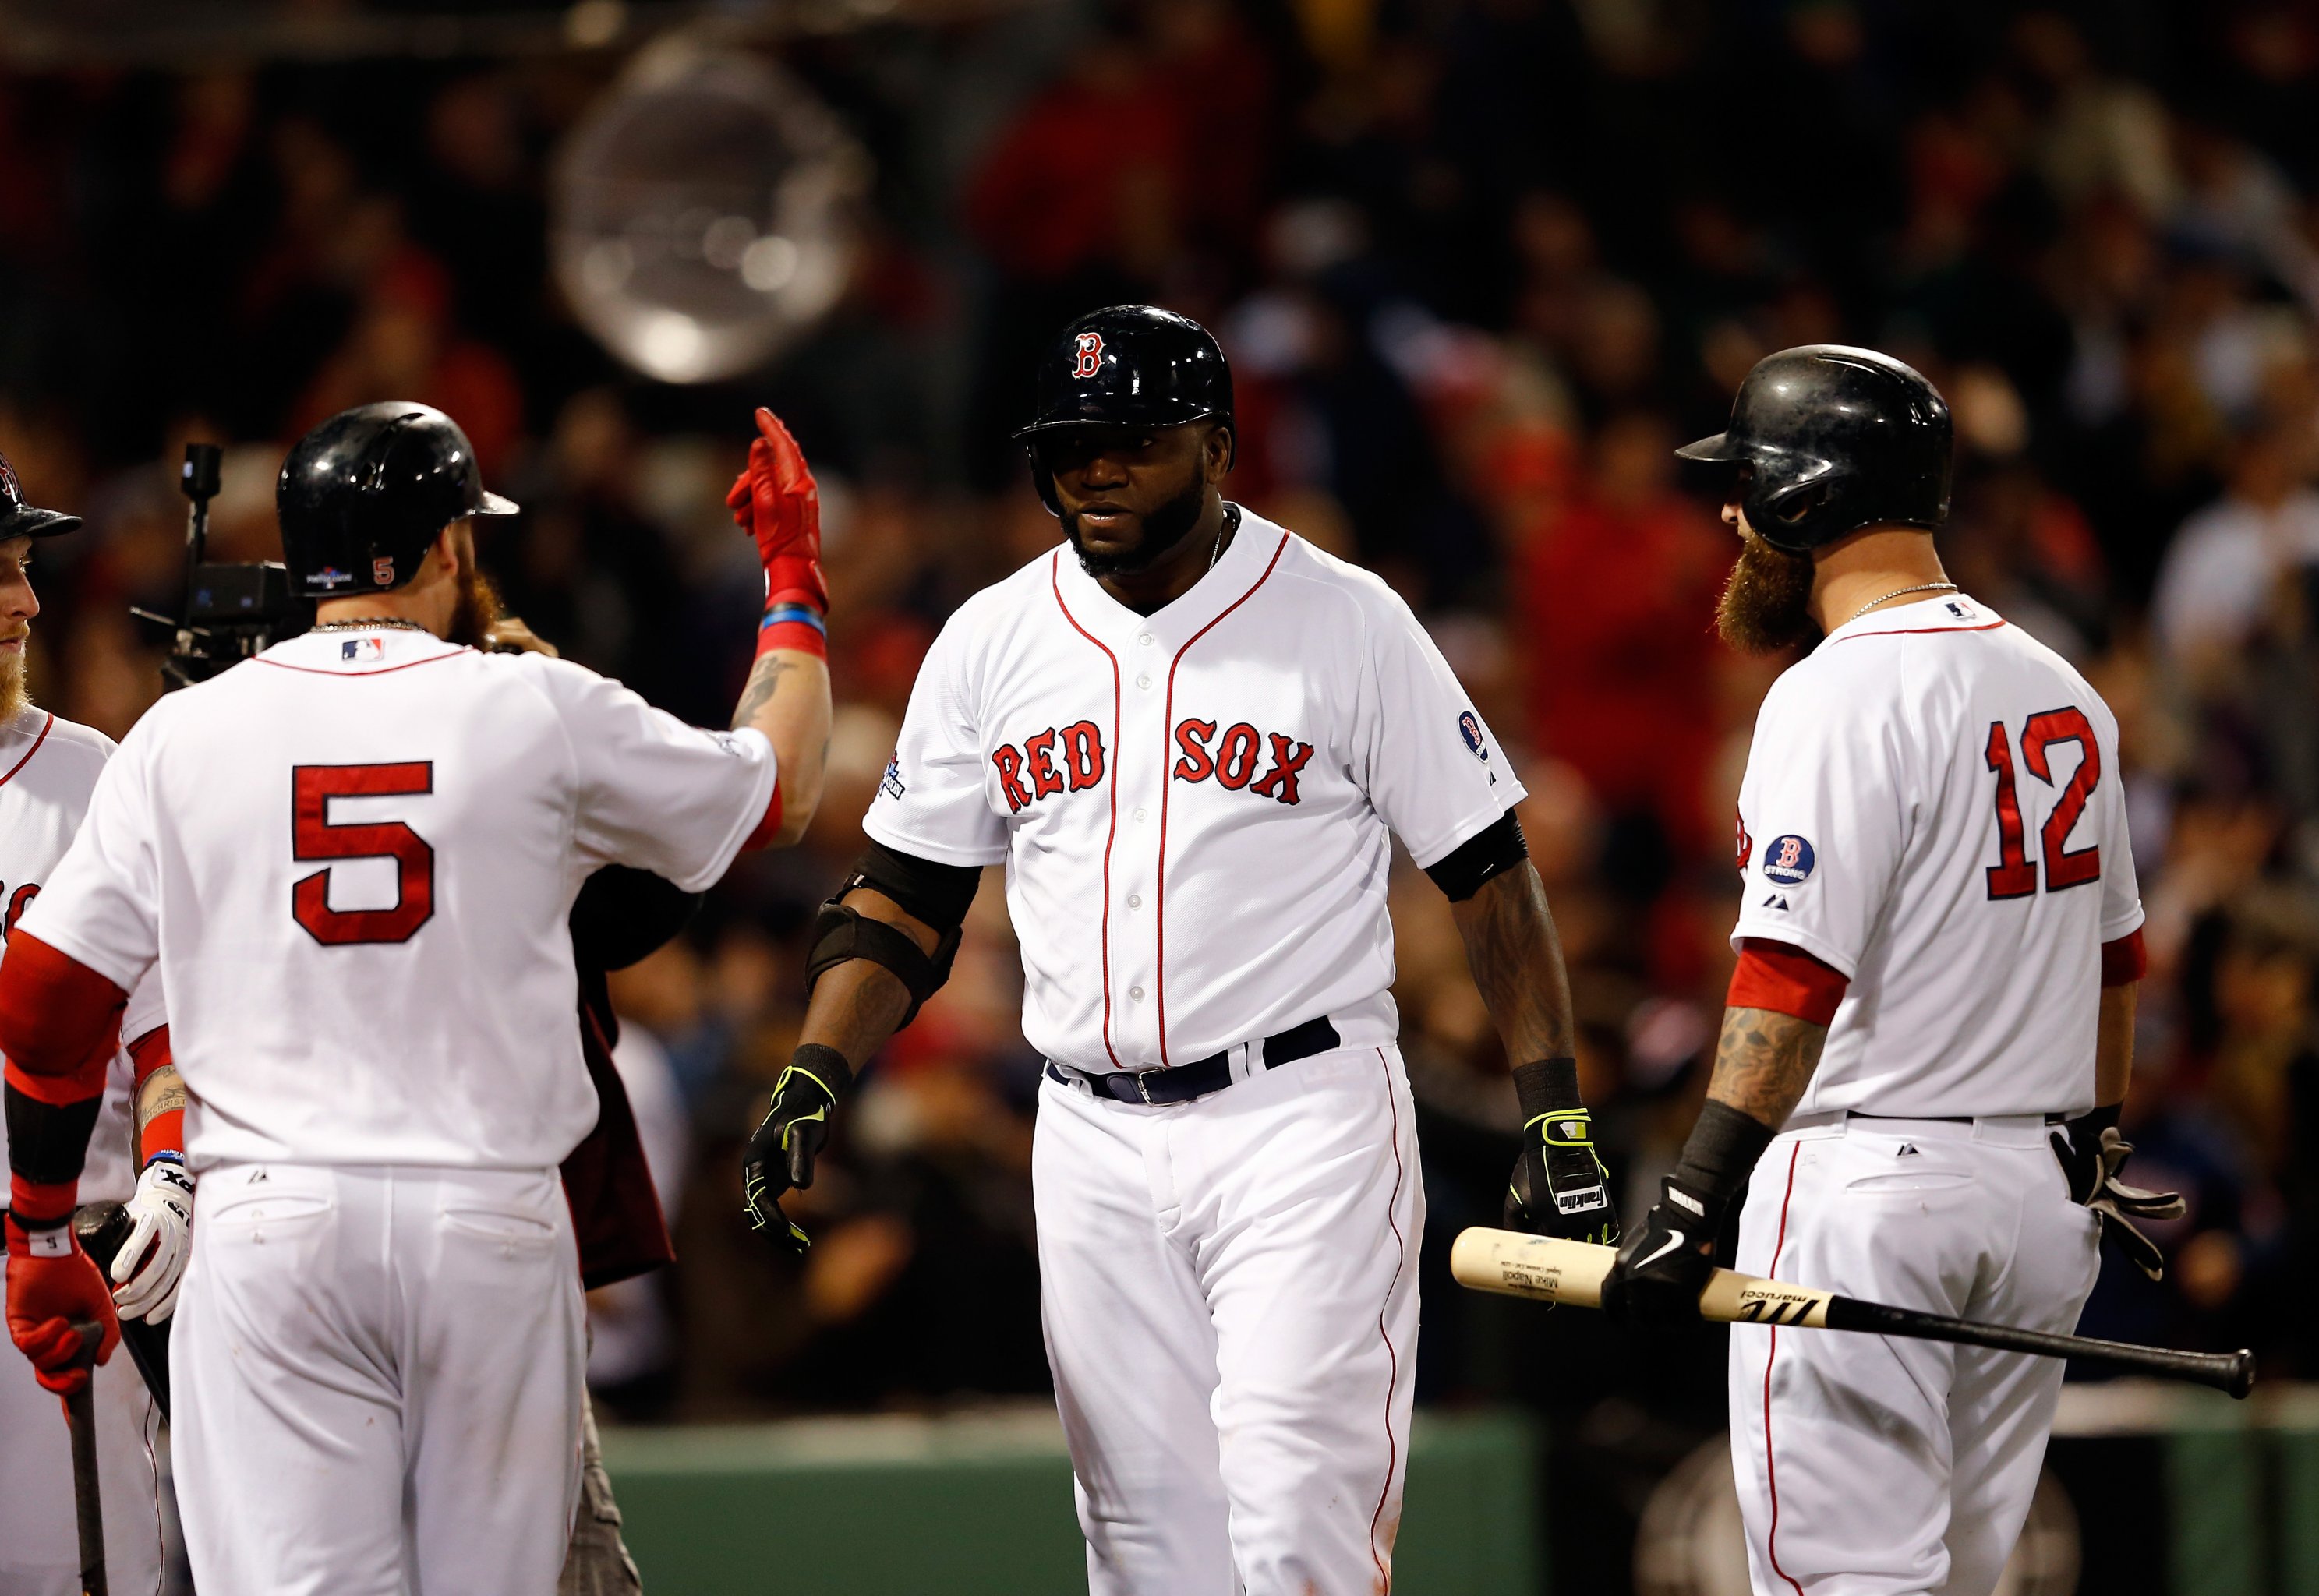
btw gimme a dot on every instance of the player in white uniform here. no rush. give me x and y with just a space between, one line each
1931 1026
352 858
1187 736
48 769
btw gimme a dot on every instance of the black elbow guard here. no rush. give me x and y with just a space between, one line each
936 895
1492 851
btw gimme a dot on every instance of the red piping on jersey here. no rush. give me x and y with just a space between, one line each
382 671
46 726
1920 632
1771 1477
1055 580
1168 785
1393 1359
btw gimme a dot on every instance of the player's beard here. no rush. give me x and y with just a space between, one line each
15 697
1163 529
1766 606
478 609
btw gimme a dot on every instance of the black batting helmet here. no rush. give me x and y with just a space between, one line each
362 497
1836 439
1128 365
20 520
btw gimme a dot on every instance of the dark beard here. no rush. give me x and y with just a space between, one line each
1163 529
477 611
1766 606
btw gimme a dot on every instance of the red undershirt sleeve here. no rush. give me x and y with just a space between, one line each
2124 960
1787 980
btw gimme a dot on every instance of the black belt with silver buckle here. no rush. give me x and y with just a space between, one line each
1201 1076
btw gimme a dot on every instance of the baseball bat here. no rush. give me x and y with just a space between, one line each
88 1504
1553 1270
102 1227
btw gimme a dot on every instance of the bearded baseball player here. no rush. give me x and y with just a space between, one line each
129 1133
1187 735
352 858
1931 1026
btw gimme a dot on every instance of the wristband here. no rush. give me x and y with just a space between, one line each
1722 1151
37 1238
800 626
825 1066
1547 1085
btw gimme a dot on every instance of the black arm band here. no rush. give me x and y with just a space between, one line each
48 1145
1722 1151
841 934
937 895
1492 851
1547 1085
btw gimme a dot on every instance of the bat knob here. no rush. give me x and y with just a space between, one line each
2241 1373
102 1227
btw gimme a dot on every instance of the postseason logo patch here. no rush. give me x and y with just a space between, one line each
891 783
1788 859
1469 726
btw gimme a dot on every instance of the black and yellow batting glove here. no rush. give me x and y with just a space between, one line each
779 1156
1559 1186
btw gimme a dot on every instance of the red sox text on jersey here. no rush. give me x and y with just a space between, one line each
1070 759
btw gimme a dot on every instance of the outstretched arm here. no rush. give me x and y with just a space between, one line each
787 696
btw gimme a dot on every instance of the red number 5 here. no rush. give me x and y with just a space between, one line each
313 837
2013 875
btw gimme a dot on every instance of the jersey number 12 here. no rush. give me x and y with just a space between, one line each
2015 874
314 836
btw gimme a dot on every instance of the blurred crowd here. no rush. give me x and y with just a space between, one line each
1479 266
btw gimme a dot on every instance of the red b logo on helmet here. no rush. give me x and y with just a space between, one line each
1090 356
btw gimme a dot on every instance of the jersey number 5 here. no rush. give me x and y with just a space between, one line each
2014 875
313 837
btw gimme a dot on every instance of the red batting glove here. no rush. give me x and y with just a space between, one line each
52 1284
777 503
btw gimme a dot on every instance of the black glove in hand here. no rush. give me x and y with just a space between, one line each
1668 1262
1560 1187
779 1156
2092 1153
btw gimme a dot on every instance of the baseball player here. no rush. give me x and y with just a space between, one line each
1931 1025
352 858
1187 735
131 1135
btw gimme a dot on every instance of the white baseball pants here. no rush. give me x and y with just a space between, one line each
40 1538
1229 1289
376 1380
1869 1466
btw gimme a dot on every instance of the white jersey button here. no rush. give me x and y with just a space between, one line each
1139 814
1135 900
1143 681
1144 638
1136 993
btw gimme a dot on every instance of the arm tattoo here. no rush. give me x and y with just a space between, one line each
1763 1062
764 677
1516 958
164 1092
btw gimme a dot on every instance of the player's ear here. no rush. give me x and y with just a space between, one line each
1216 452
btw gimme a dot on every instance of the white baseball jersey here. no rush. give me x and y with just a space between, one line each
48 769
1931 806
1193 806
353 858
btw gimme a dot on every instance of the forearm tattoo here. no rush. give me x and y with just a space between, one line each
164 1092
1516 958
1764 1061
764 678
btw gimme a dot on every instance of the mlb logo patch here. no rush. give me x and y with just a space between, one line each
1788 859
1469 726
363 651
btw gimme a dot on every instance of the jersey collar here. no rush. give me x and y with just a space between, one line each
364 652
1242 563
1942 612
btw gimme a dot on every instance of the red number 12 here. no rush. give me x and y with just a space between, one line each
2014 875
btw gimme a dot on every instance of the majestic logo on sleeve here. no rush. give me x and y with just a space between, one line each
1059 759
1788 860
1232 758
1089 361
1469 726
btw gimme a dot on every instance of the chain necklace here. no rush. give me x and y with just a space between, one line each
1930 587
387 622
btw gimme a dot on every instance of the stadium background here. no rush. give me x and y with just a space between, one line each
1479 264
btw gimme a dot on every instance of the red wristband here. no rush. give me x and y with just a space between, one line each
800 635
